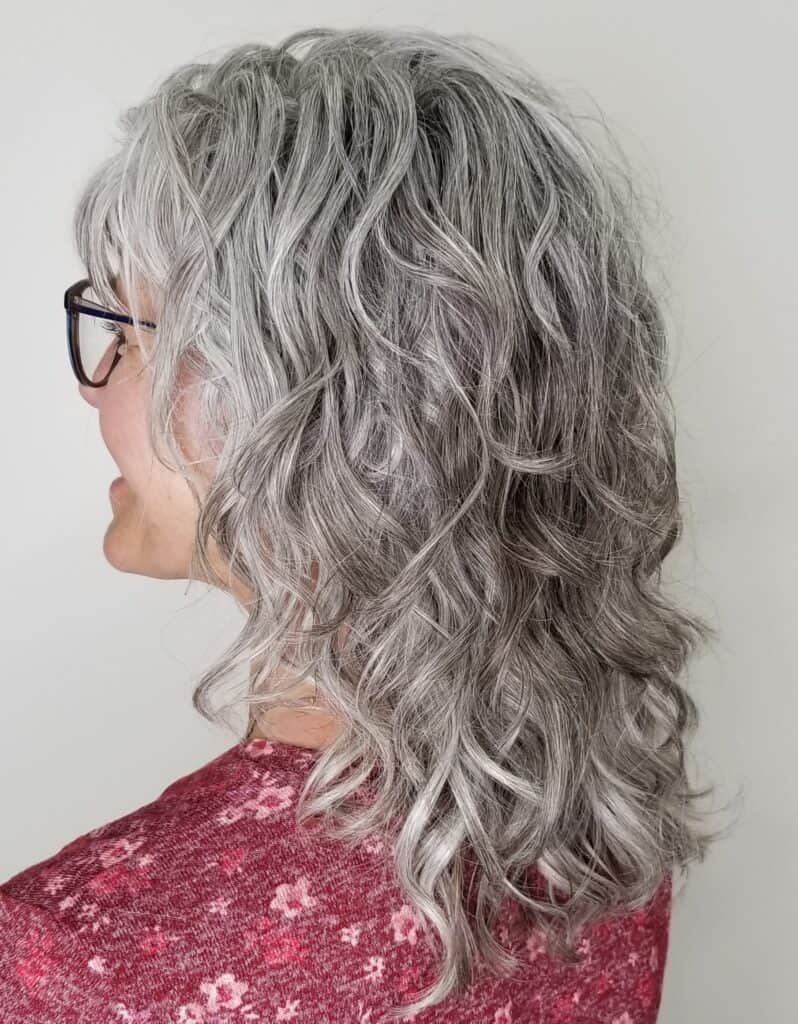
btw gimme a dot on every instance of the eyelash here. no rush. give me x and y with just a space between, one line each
116 331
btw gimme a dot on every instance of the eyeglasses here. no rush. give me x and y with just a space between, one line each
86 355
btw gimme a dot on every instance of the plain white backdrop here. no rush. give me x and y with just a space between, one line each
99 666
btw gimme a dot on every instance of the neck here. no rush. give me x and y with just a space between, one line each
314 727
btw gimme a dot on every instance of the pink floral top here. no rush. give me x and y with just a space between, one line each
210 906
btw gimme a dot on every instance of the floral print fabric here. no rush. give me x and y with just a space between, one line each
211 906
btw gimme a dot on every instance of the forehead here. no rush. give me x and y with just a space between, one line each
147 307
118 288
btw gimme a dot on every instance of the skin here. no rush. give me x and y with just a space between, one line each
154 519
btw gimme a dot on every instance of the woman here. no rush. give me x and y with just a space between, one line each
384 366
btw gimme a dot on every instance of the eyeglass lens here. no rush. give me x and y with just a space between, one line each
97 340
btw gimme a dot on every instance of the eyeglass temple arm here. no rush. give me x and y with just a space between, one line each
73 304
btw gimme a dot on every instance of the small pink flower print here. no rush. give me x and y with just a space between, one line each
646 990
562 1009
55 885
258 747
248 786
37 964
405 922
623 1019
153 942
373 845
230 815
224 993
219 906
282 947
190 1013
375 968
98 965
117 850
535 945
88 914
602 984
119 876
230 860
128 1016
289 1011
105 920
269 801
503 1014
351 934
108 880
291 899
34 971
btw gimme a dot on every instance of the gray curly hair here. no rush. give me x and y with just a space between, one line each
429 364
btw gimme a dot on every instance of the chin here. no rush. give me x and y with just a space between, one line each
135 555
117 549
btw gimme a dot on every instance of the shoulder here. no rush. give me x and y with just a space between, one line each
46 973
187 892
125 856
62 918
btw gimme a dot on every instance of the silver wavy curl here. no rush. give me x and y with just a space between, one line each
431 364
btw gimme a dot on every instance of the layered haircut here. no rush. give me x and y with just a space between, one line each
426 357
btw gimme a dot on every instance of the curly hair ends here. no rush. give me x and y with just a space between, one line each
431 367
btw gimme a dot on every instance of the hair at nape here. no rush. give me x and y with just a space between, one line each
429 359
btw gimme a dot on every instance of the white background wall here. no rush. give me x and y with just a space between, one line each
99 666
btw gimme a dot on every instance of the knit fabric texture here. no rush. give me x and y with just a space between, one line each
211 906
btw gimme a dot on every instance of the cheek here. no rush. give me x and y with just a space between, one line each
160 494
187 423
123 425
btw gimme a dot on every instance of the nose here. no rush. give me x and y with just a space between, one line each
89 394
108 361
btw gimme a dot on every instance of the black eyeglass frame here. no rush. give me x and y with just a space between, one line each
74 304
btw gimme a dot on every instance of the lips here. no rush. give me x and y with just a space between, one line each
117 485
